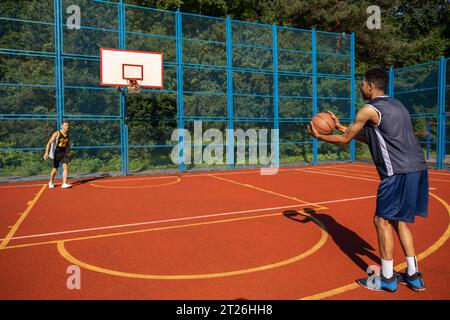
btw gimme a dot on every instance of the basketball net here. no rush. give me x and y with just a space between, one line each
133 86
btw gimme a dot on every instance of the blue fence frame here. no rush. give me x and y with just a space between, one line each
62 57
429 97
424 88
442 115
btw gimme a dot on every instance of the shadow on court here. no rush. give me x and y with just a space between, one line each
346 239
83 181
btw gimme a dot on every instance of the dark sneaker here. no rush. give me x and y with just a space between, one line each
379 283
400 278
414 282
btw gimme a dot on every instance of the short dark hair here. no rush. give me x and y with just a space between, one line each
65 121
378 77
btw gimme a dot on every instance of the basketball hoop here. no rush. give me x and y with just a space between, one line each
133 86
132 69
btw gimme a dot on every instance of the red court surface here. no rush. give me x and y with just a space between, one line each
304 233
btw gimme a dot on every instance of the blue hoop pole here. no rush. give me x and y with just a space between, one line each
314 84
276 124
122 100
180 100
59 73
230 106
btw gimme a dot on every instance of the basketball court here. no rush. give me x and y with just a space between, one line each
156 212
305 233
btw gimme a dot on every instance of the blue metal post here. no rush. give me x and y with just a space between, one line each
276 125
61 58
123 134
443 108
121 17
61 26
230 97
352 91
314 87
122 100
441 144
179 43
391 82
125 138
59 73
428 139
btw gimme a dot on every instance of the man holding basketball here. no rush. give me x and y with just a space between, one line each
385 125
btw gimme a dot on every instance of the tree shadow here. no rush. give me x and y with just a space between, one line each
348 241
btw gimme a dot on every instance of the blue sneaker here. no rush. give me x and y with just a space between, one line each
414 282
379 283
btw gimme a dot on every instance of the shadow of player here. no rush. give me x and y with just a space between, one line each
86 180
347 240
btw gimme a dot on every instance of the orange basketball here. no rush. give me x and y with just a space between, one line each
324 123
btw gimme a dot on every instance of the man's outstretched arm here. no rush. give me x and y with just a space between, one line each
353 131
360 136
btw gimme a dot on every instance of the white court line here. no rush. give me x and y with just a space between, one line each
190 175
369 167
336 175
205 174
122 179
354 172
24 186
359 166
345 176
362 171
441 173
188 218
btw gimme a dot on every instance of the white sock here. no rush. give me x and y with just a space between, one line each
411 263
387 268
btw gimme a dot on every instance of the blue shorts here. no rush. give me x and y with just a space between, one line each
403 196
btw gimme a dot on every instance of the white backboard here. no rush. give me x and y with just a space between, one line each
116 66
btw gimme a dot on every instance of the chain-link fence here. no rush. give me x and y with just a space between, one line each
227 74
424 90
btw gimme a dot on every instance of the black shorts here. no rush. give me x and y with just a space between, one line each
60 158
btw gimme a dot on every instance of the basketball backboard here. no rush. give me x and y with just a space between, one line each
120 67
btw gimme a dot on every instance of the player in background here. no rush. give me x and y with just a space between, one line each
58 149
